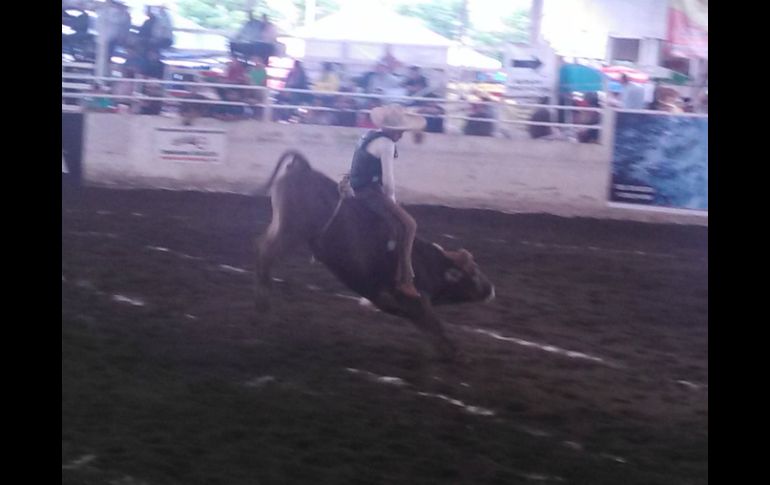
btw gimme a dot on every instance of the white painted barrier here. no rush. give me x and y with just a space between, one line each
558 177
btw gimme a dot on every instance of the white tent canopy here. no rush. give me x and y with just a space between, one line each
463 56
358 34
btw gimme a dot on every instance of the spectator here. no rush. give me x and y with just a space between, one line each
257 73
542 115
163 30
230 112
250 34
153 67
632 95
346 111
328 81
389 60
152 107
416 84
297 79
257 76
433 113
133 60
668 99
256 38
192 111
267 37
145 31
590 135
382 81
317 116
99 103
79 22
236 72
480 110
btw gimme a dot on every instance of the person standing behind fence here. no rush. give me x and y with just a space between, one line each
632 95
541 115
590 135
163 30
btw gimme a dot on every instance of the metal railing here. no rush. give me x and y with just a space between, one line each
500 118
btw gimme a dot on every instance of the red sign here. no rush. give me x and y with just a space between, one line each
688 34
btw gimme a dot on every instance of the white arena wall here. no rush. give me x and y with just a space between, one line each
538 176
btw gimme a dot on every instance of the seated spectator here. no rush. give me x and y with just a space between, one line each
99 103
346 111
433 113
382 80
362 82
589 135
416 84
328 81
318 116
478 127
230 112
542 115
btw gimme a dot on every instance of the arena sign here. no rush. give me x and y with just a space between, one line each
660 160
190 145
530 70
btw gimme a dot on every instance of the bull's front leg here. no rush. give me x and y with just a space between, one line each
421 313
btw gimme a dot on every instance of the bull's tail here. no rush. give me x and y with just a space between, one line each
298 161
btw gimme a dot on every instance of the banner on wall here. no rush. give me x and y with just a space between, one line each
660 160
190 145
688 28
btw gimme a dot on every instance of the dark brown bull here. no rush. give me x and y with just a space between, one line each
357 248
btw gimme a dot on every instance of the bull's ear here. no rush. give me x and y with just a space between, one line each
465 256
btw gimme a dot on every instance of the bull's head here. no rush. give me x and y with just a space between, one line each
461 279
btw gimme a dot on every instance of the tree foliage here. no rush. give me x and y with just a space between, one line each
221 14
441 16
445 17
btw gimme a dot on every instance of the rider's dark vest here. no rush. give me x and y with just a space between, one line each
366 169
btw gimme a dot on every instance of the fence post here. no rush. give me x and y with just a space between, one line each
268 111
608 127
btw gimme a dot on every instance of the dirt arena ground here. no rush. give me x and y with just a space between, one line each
590 367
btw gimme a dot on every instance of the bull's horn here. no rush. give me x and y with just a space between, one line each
437 246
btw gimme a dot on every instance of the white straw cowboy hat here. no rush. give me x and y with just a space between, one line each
395 117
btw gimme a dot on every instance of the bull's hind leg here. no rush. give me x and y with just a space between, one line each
269 248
